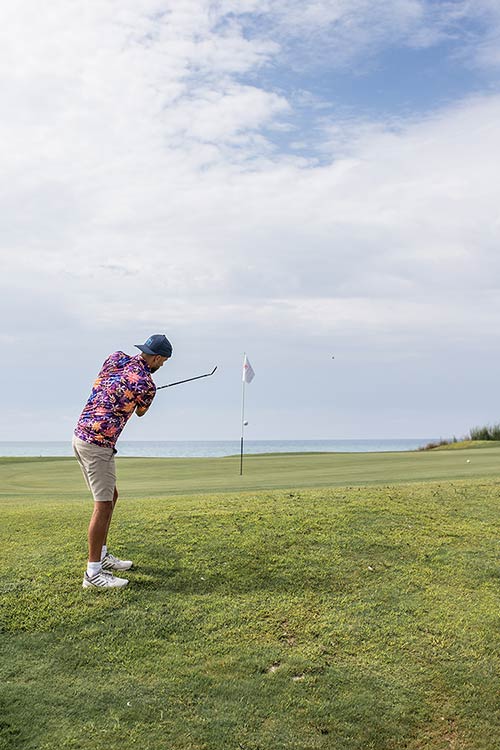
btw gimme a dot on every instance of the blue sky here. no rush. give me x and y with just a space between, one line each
290 179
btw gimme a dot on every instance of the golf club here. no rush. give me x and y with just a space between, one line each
169 385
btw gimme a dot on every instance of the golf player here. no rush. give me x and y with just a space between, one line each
123 386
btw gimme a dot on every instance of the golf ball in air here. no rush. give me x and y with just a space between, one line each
245 423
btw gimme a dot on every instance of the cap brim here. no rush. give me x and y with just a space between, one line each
145 349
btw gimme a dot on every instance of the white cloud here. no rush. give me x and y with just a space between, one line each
228 115
336 33
340 33
476 23
140 184
403 216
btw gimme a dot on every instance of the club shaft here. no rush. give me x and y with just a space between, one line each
188 380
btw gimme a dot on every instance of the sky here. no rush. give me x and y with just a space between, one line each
313 183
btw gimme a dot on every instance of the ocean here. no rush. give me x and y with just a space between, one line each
214 448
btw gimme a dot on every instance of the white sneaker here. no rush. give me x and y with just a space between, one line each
103 580
110 562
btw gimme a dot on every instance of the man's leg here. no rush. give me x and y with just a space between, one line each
113 503
98 528
109 561
96 577
98 468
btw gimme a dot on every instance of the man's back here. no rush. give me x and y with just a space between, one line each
123 383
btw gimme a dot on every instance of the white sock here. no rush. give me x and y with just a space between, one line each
93 568
103 552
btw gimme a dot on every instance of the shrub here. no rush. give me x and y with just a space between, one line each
487 432
436 444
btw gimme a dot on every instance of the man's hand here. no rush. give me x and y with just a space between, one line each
141 410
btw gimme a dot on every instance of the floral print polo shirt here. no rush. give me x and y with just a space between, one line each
123 383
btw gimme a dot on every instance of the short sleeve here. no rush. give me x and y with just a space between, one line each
145 395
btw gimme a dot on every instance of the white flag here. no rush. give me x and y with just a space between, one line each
248 373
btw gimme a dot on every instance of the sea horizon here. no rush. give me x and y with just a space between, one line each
215 448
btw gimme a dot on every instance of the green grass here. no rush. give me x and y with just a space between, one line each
360 616
474 444
152 477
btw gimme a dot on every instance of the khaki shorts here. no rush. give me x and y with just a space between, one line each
97 463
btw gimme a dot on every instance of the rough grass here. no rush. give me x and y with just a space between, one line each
350 618
477 437
467 444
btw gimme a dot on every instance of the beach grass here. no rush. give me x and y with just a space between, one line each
354 616
468 443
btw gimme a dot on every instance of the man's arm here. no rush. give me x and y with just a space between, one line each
145 394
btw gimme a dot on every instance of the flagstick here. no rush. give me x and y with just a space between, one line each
242 422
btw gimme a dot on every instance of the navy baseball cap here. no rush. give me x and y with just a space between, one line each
156 344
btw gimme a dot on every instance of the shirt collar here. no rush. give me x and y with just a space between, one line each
142 362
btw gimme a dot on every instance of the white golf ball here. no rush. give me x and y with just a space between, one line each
468 460
245 423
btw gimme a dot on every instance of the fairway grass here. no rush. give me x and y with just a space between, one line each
356 617
157 477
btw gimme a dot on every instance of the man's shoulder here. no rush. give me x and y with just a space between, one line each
113 364
117 357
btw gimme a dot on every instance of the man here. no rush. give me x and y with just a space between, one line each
123 386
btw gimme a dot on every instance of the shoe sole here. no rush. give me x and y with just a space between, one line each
86 585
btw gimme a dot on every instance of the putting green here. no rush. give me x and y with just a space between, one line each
150 477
